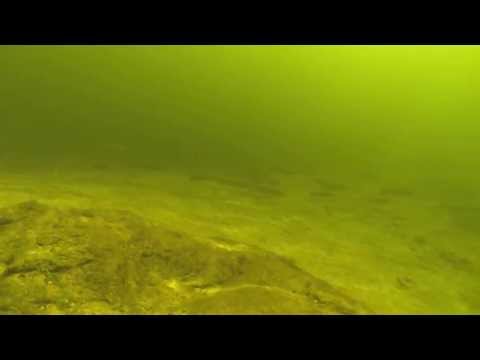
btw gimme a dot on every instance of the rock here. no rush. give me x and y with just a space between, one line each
117 263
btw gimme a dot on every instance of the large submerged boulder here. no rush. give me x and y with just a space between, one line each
91 261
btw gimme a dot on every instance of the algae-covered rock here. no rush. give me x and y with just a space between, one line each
91 261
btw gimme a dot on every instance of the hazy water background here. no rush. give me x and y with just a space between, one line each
401 114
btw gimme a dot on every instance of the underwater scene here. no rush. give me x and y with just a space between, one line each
239 179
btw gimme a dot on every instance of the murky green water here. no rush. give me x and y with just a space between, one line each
239 179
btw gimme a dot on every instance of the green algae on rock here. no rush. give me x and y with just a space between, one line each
113 261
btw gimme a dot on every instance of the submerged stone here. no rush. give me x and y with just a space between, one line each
76 261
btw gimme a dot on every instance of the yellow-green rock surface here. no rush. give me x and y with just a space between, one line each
110 261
